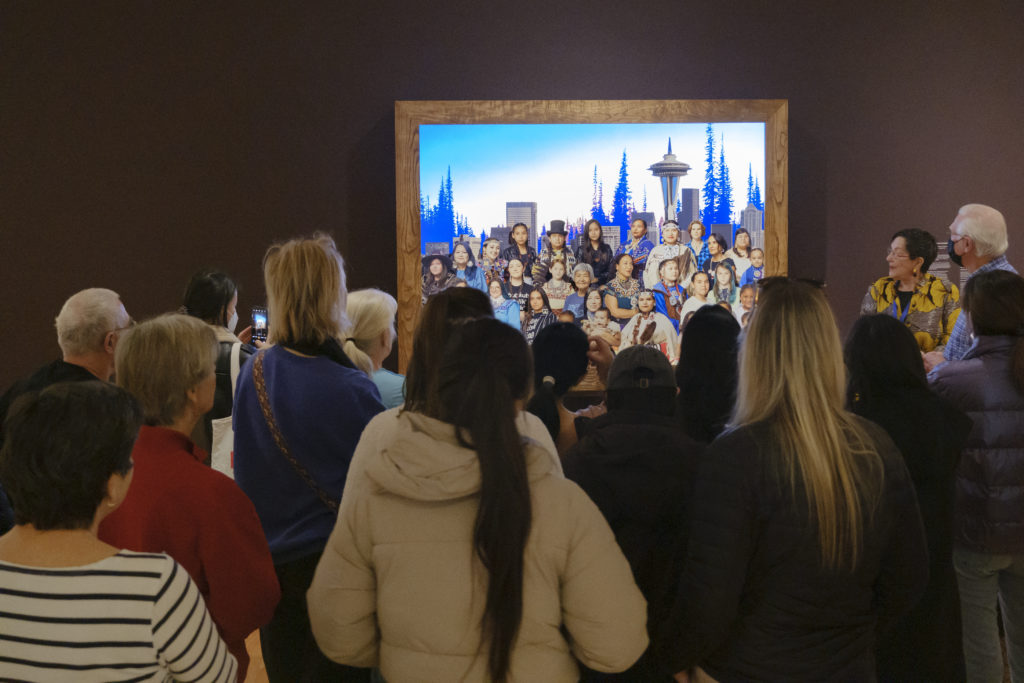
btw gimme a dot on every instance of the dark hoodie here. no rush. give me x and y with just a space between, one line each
639 467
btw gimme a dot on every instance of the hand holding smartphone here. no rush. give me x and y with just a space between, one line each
259 324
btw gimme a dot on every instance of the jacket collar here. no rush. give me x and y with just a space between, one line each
164 439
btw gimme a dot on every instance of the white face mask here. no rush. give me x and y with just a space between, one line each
233 322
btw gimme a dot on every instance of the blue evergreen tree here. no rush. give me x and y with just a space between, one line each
755 197
621 201
645 198
723 189
597 203
710 192
750 184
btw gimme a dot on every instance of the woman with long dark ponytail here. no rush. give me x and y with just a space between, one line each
466 556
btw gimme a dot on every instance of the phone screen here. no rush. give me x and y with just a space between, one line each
259 324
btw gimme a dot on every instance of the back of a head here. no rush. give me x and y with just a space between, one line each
437 319
159 360
559 363
707 372
986 226
791 335
484 371
370 313
86 318
306 294
792 378
207 296
641 379
995 302
61 446
883 360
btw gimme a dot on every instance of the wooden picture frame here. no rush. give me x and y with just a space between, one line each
410 115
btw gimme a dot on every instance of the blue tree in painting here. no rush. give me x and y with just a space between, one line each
710 191
723 189
597 206
754 190
440 223
621 201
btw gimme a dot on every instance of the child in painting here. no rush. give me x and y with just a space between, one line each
669 296
558 287
756 270
650 328
746 306
601 325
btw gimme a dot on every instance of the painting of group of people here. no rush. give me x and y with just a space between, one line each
640 294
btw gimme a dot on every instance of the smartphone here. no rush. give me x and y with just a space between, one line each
259 324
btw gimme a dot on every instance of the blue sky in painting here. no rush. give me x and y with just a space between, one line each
553 164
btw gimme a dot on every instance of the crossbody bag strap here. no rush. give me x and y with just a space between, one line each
268 415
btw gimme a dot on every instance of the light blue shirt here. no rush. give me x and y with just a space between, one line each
391 387
961 338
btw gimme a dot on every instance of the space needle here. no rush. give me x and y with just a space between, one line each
670 170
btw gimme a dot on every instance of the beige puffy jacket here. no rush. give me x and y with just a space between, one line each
399 585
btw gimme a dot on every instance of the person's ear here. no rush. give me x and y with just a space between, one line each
117 489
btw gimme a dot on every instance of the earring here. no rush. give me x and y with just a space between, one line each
111 504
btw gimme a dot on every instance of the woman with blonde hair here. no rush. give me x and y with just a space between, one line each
299 410
370 337
178 505
805 539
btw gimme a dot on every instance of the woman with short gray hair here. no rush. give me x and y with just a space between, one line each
177 504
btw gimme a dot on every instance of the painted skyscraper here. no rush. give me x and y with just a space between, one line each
523 212
689 202
752 220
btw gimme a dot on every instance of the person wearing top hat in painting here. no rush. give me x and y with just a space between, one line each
555 249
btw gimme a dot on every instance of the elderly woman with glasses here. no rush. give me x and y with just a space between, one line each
927 305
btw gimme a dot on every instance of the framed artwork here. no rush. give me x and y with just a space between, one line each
468 171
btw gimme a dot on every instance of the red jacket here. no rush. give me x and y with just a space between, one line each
200 517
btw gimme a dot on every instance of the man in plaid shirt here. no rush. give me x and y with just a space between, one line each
977 242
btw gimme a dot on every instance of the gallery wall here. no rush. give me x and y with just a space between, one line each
140 141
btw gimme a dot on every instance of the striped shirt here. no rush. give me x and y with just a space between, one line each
129 617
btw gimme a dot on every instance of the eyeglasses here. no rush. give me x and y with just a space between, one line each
898 254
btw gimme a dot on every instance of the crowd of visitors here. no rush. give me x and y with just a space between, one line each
742 498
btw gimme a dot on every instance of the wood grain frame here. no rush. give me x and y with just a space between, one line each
410 115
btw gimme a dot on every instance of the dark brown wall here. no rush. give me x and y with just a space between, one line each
141 140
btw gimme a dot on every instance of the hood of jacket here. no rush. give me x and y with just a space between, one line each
425 461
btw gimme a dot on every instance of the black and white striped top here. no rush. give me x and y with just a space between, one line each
129 617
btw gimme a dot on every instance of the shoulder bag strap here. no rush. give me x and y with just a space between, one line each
236 350
261 394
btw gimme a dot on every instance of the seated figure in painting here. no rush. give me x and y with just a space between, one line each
505 309
724 287
490 258
601 325
756 270
437 275
466 268
520 248
557 250
638 247
559 286
650 328
698 290
518 287
742 312
622 290
717 246
669 249
740 252
669 295
582 278
538 315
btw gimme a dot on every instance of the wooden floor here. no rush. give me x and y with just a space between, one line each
257 671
